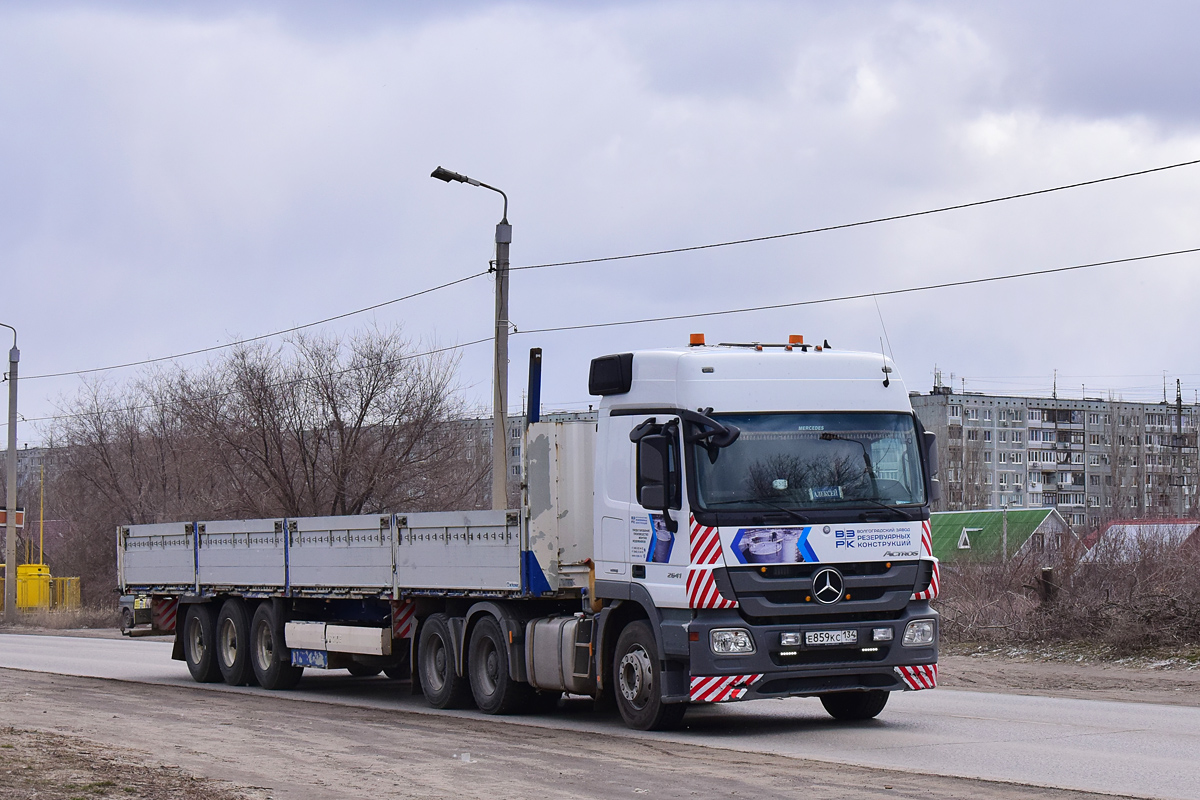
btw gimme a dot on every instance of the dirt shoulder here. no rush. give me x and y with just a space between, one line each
51 766
273 747
1071 672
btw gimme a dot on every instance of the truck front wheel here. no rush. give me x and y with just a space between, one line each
855 705
200 643
271 659
440 681
637 679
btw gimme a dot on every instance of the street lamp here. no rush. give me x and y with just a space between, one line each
10 500
500 367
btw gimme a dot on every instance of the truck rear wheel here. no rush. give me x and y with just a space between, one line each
200 643
487 658
270 658
637 679
440 682
855 705
233 643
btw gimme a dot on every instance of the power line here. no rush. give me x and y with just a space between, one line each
858 224
613 258
259 337
928 287
288 382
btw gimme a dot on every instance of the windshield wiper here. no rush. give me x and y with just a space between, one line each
904 514
803 520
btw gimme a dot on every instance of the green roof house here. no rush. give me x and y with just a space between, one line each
977 535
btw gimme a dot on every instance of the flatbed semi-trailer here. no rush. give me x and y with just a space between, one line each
739 522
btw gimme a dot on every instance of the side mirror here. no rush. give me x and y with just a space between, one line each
931 453
654 475
935 490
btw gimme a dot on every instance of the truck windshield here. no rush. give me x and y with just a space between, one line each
805 461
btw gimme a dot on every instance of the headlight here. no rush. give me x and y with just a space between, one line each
881 634
726 641
918 632
789 639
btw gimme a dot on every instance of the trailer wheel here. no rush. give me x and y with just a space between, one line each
491 683
233 643
360 670
271 660
200 643
855 705
440 682
637 679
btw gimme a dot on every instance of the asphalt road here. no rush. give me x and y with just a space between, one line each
1127 749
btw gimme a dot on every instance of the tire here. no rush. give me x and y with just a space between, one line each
637 682
360 670
855 705
233 643
270 659
492 686
126 620
200 643
440 683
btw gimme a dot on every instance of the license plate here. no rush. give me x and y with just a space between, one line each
830 637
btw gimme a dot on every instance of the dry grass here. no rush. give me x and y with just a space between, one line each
1144 601
72 618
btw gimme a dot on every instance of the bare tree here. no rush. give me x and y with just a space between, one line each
318 426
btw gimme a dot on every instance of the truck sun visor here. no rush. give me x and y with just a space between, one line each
611 374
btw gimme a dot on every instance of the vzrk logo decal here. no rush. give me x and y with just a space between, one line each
827 586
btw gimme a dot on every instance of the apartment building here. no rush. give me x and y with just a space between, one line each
1093 460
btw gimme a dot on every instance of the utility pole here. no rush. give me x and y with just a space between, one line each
500 367
1004 531
10 499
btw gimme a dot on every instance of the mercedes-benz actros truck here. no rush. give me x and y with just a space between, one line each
738 521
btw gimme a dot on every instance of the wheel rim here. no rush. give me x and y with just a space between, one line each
438 660
227 644
635 677
196 640
488 671
264 646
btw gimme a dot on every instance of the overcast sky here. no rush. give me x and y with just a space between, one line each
176 176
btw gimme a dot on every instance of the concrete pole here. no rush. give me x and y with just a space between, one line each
500 367
10 498
1004 531
500 410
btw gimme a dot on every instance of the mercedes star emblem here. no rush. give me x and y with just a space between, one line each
827 586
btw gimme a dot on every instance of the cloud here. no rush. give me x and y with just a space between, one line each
172 179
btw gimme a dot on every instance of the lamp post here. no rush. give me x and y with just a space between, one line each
10 499
500 367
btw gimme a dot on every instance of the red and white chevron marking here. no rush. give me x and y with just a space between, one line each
934 585
922 676
927 552
706 544
404 619
719 688
702 588
162 613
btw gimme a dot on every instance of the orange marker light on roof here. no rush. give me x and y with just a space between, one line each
697 340
795 338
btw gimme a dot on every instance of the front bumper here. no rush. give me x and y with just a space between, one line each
774 670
